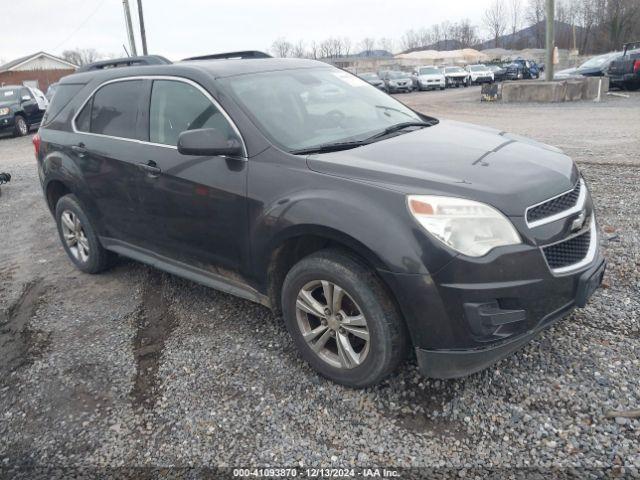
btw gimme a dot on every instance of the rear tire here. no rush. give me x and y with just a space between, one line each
79 237
364 316
21 128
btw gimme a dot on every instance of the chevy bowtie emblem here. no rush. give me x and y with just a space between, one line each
578 222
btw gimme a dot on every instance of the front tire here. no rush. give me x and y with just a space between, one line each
79 237
21 128
342 319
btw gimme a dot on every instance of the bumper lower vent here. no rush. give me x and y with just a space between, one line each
568 252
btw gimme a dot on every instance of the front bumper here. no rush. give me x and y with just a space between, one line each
471 314
483 80
7 123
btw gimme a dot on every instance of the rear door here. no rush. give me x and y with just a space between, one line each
107 150
196 205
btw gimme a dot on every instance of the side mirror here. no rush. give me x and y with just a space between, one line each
25 98
208 142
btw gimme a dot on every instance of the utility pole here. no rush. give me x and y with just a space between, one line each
551 41
127 19
143 33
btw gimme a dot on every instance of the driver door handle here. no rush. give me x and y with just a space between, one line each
151 168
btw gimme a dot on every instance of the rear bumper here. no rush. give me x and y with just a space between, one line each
461 328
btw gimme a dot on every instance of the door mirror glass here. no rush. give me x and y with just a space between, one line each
209 142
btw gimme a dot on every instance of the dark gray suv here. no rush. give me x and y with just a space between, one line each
372 228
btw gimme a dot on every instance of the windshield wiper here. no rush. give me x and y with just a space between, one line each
336 147
399 126
330 147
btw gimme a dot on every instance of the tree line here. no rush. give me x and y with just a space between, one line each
590 26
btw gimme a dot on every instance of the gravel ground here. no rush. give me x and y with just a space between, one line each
136 368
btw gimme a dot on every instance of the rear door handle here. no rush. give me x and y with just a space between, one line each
150 167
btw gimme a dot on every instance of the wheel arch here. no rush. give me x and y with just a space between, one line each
302 240
54 190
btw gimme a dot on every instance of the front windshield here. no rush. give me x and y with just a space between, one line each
396 75
429 71
369 76
477 68
8 94
299 109
454 70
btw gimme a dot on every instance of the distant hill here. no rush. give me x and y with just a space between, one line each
530 37
372 53
534 37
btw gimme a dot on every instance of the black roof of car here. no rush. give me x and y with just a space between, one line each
216 68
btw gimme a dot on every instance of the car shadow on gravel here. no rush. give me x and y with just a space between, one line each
154 322
20 344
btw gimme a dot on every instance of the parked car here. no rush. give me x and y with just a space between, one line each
396 81
21 108
594 67
428 78
373 228
373 79
624 72
498 72
456 77
522 69
479 74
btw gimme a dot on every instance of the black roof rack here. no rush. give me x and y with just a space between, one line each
126 62
246 54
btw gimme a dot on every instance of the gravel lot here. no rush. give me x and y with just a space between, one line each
139 368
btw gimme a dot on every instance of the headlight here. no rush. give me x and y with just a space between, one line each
4 111
471 228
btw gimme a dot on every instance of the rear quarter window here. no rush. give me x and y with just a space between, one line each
64 93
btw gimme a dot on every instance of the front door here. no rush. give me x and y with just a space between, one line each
196 206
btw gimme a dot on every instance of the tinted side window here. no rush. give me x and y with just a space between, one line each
115 109
26 93
177 107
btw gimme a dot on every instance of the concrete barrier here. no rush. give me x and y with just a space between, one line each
558 91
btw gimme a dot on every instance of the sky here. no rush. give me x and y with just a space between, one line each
182 28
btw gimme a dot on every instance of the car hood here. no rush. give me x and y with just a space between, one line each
431 76
7 103
456 74
457 159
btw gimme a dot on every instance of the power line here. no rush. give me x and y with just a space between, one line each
82 24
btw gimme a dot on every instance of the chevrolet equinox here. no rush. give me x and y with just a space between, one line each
375 230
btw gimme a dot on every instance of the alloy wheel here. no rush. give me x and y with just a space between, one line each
332 324
23 128
74 235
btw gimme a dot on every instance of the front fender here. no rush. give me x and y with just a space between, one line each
369 219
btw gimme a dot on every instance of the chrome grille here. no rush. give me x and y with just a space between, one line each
555 205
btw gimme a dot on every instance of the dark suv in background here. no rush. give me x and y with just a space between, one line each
372 228
19 110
